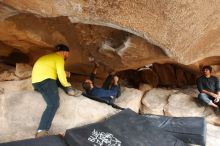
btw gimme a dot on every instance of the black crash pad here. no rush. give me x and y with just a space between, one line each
45 141
129 129
121 130
189 129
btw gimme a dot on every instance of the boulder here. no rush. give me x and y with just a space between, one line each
179 103
180 77
19 123
213 135
145 87
180 28
130 98
213 119
19 85
8 76
166 74
4 67
186 100
23 70
8 73
92 30
149 76
153 102
175 103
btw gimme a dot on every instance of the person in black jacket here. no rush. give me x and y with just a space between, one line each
208 87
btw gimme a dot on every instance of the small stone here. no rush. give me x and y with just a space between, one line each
23 70
145 87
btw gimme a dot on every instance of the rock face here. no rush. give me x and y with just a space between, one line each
130 98
8 73
166 75
184 32
15 79
177 103
19 123
178 37
145 87
173 75
16 96
212 135
155 100
181 103
149 76
23 70
179 28
21 85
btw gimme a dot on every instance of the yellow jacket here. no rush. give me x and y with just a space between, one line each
50 66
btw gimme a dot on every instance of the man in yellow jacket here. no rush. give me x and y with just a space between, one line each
48 74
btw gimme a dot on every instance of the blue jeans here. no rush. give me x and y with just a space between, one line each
49 90
204 98
107 85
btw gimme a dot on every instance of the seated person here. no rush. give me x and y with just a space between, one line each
208 87
110 88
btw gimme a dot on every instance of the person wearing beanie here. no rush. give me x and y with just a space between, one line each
47 75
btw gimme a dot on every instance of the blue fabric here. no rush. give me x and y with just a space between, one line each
204 98
106 92
49 90
103 93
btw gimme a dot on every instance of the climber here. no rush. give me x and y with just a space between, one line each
208 87
48 74
110 88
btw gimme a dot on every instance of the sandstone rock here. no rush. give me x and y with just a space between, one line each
153 102
180 77
175 26
12 79
213 135
174 75
23 70
157 75
79 111
149 76
183 105
166 74
19 85
186 100
20 123
129 78
8 76
130 98
216 70
176 103
14 56
4 67
145 87
190 90
126 49
213 119
1 91
183 32
191 78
